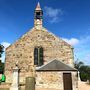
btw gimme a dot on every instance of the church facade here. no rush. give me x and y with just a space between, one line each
42 55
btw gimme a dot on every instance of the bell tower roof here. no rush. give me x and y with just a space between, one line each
38 6
38 17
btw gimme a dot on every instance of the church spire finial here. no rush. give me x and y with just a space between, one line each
38 6
38 14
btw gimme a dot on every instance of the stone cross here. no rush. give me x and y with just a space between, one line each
15 79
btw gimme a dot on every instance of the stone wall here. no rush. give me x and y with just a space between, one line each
49 80
54 79
74 80
22 52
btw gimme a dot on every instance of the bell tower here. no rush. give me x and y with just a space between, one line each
38 17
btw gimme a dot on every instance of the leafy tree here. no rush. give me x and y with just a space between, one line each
85 73
78 64
83 76
88 73
1 50
1 64
1 67
84 70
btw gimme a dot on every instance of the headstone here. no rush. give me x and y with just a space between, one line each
30 83
15 79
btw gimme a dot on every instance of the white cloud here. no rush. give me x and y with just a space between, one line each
5 44
53 14
3 58
72 41
81 48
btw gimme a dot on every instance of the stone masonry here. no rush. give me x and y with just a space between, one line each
22 51
53 79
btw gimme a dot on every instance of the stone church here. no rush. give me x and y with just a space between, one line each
42 55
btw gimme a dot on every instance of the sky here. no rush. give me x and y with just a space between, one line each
68 19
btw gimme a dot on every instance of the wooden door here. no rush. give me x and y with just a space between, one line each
67 81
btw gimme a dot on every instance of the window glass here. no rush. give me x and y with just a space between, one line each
38 56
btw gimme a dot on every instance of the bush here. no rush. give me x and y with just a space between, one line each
1 68
84 71
83 76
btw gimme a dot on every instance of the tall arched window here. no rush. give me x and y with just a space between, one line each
38 56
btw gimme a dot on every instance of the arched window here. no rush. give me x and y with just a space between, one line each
38 56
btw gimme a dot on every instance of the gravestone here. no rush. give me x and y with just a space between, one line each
30 83
15 79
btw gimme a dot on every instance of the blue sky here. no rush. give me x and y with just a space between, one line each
68 19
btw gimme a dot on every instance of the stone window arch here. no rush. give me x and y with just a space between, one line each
38 56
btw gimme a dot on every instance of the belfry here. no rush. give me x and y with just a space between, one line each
38 17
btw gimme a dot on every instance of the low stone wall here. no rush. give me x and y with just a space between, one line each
4 88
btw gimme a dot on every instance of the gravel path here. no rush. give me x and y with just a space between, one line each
83 86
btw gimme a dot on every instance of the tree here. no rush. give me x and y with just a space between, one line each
78 64
84 70
1 64
88 73
1 50
85 73
1 67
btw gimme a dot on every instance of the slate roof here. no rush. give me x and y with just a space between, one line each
55 65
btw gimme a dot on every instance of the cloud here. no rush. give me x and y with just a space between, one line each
72 41
81 48
3 58
53 14
5 44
